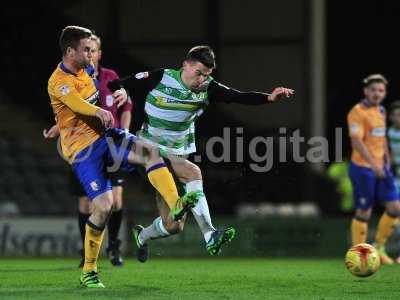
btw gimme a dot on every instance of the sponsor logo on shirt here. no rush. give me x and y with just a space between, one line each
378 132
170 102
64 90
93 98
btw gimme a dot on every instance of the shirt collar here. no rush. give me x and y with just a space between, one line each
66 70
367 103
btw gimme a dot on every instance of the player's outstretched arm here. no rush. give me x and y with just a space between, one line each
220 92
141 83
280 93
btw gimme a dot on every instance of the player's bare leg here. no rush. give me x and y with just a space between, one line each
190 174
163 226
113 226
160 177
385 228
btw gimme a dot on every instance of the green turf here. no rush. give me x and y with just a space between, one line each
218 278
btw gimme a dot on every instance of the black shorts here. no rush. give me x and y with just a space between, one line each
117 179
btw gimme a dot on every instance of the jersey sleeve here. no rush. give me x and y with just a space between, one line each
356 124
221 93
67 93
113 75
137 84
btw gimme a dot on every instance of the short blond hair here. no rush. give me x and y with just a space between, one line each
375 78
96 39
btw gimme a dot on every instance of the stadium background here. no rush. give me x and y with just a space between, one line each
322 49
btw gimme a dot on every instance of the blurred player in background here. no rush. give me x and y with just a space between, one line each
174 99
394 142
394 139
122 119
369 169
338 172
92 146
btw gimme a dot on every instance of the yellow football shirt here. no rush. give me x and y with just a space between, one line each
369 124
72 98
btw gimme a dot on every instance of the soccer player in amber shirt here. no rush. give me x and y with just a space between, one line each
122 119
369 169
85 144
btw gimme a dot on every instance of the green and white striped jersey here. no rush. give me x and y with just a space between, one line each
171 110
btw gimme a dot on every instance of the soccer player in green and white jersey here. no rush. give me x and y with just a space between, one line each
173 100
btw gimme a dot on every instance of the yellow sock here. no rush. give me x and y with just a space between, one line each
359 231
161 178
93 240
385 228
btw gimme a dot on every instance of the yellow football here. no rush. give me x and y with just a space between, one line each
362 260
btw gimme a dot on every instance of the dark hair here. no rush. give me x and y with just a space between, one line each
203 54
70 37
375 78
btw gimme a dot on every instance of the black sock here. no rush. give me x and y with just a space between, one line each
114 224
82 218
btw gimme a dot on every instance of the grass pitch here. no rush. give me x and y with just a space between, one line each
217 278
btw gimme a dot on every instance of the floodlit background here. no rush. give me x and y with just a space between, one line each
322 49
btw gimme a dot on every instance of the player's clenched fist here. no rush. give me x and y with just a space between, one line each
279 93
105 117
120 97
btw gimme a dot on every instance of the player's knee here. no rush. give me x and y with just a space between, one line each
194 172
152 154
175 227
363 214
84 205
103 207
393 208
189 172
117 205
